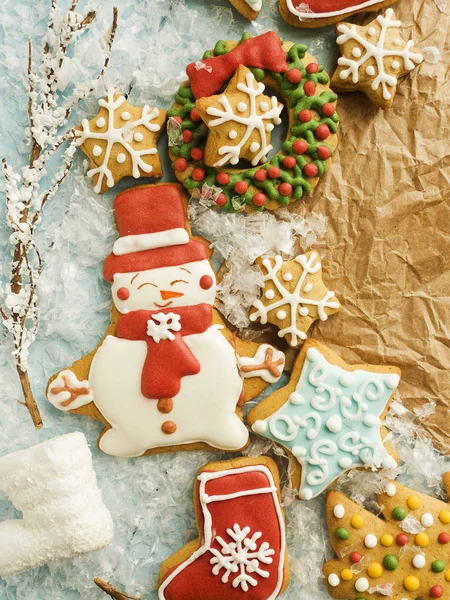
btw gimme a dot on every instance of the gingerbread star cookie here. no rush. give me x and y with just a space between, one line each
120 141
294 296
248 8
240 121
374 57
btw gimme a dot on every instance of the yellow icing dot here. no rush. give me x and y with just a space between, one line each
375 570
444 516
357 521
346 575
413 502
387 540
411 583
422 540
447 575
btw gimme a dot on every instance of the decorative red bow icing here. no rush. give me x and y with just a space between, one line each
262 52
168 357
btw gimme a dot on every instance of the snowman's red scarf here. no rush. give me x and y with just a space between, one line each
167 361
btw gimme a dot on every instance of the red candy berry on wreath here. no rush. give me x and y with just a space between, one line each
305 115
289 162
328 109
294 75
198 174
187 136
322 132
355 557
323 152
223 178
300 147
259 199
180 164
443 538
310 170
260 175
401 539
206 282
436 591
273 172
123 293
195 115
196 153
309 88
240 187
312 67
221 200
285 189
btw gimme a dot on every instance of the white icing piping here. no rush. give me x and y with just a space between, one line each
334 13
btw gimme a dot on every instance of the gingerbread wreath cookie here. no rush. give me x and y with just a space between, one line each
373 59
120 141
294 296
328 417
318 13
248 8
241 548
165 377
224 114
404 556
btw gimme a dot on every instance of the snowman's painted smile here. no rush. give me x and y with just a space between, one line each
163 305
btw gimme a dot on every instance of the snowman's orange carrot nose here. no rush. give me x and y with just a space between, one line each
165 295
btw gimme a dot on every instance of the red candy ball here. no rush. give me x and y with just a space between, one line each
187 136
355 557
195 115
273 172
436 591
299 147
240 187
322 132
206 282
328 109
305 115
180 164
402 539
198 174
324 152
294 75
197 153
309 88
285 189
221 200
312 67
310 170
443 538
289 162
223 178
259 199
123 293
260 175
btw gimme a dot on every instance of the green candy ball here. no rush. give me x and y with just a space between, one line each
437 566
390 562
342 533
399 513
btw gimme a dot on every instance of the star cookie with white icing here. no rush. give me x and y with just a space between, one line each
120 141
294 296
240 121
329 417
374 57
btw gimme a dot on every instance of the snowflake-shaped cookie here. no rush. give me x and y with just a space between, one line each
294 296
240 121
373 58
121 141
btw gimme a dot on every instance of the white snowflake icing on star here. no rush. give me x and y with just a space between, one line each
378 52
161 325
298 304
260 122
242 557
118 135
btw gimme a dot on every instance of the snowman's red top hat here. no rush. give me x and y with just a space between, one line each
152 227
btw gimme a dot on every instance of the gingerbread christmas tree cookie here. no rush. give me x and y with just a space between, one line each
120 141
404 556
374 57
328 417
294 296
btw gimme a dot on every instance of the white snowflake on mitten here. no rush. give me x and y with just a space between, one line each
241 556
161 325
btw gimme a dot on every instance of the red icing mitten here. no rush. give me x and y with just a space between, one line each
242 550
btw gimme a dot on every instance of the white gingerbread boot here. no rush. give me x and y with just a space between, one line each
55 487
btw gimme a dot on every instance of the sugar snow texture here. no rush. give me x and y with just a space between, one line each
54 485
150 499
